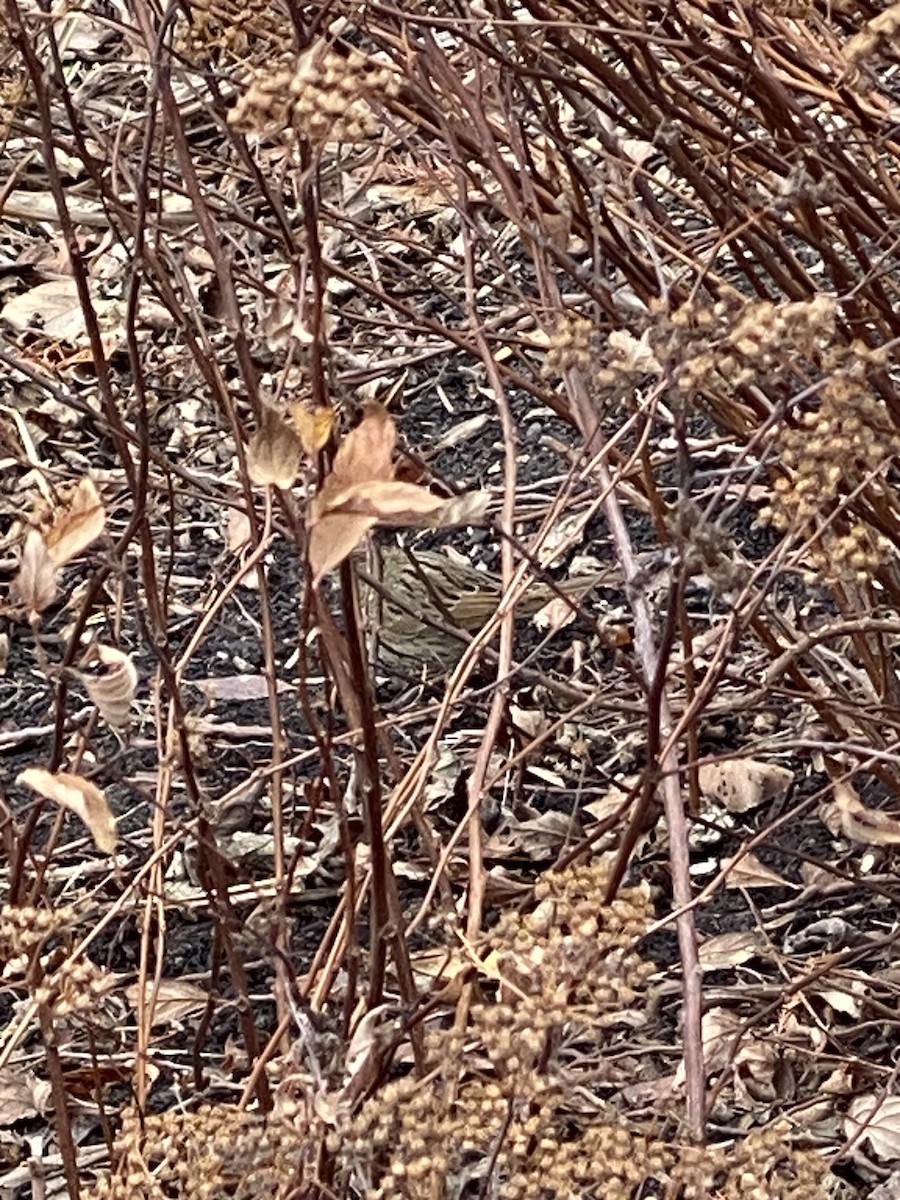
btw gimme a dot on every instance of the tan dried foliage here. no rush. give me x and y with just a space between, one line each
36 581
313 426
110 678
79 796
361 492
76 523
846 815
273 455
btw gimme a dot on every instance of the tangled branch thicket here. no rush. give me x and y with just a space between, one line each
628 276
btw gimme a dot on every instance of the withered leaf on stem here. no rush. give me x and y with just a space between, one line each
363 491
110 678
273 455
76 524
36 580
313 426
79 796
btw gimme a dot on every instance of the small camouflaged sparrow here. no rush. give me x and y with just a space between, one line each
424 604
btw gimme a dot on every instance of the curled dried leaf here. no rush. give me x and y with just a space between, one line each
366 453
470 508
110 678
79 796
846 814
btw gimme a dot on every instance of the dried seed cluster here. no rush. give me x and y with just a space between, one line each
323 96
571 344
571 956
570 962
74 987
494 1109
23 928
735 340
764 1166
226 31
839 448
212 1153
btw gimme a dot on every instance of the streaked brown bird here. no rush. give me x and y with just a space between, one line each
425 606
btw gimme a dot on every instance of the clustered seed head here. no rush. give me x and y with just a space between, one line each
235 30
572 344
215 1152
764 1166
735 340
841 447
494 1097
22 928
705 547
572 954
74 987
324 96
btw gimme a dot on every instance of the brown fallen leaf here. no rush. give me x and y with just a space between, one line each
273 455
172 1001
749 872
876 1119
22 1096
36 581
76 524
730 949
79 796
847 815
744 783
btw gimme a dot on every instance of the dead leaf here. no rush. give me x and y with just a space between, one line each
22 1096
238 530
470 508
389 501
876 1120
76 524
362 491
172 1001
461 432
730 949
54 310
555 615
847 1002
110 678
847 815
538 838
744 783
273 455
367 451
36 580
236 687
749 872
79 796
313 427
889 1190
332 538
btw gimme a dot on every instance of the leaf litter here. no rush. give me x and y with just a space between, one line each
363 491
